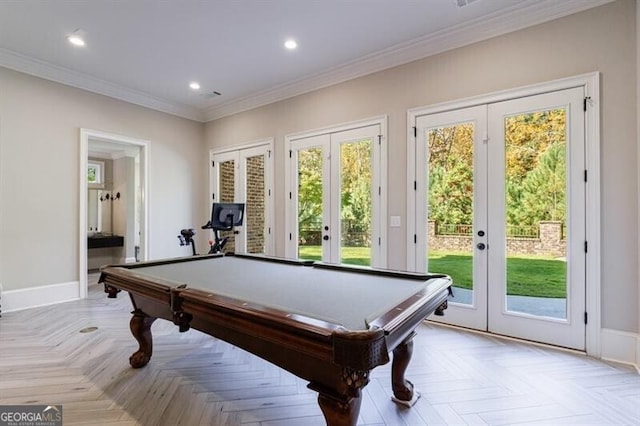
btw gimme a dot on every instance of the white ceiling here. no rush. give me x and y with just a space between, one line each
147 51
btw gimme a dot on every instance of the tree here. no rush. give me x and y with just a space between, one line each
527 135
309 187
543 189
535 167
451 174
356 186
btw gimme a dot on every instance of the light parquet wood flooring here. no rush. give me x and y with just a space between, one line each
194 379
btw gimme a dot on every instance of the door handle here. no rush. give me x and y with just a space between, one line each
481 246
326 238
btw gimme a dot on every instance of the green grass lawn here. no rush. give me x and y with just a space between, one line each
350 255
526 276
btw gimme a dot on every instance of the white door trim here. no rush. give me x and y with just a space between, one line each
85 135
591 84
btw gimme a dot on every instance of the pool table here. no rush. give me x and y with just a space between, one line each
328 324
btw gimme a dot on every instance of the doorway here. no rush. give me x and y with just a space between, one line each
114 179
501 206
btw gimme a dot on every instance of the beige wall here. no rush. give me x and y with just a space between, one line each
40 125
601 39
638 163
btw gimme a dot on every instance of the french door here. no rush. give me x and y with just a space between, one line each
335 197
501 191
452 160
245 176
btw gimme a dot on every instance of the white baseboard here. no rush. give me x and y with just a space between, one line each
620 346
32 297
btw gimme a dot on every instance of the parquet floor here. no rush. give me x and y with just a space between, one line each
194 379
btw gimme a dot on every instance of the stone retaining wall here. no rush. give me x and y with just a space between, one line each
549 243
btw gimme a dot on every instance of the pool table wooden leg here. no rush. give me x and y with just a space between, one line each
140 326
338 412
402 388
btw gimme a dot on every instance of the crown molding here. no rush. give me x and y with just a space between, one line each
519 16
28 65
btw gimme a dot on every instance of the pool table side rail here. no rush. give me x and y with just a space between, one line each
416 276
190 297
165 261
272 259
399 326
241 324
129 280
416 304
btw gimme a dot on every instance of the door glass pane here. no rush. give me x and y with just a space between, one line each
310 203
450 206
535 170
227 195
355 202
255 207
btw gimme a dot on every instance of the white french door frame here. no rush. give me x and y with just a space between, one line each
591 85
239 153
379 175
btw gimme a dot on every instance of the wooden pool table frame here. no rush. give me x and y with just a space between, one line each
335 361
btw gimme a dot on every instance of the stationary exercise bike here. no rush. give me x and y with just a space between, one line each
224 217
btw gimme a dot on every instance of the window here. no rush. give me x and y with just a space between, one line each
95 174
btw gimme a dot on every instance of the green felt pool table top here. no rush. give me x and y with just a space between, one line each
350 297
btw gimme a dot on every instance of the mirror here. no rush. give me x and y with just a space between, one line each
99 209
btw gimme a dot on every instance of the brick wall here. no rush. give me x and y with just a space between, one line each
227 185
254 207
254 214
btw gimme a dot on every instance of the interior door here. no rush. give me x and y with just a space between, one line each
335 189
501 194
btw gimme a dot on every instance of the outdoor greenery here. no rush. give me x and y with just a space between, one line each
359 256
534 169
355 185
535 163
355 192
526 276
309 188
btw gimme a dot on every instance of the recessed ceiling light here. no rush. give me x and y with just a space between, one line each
76 38
194 85
290 44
